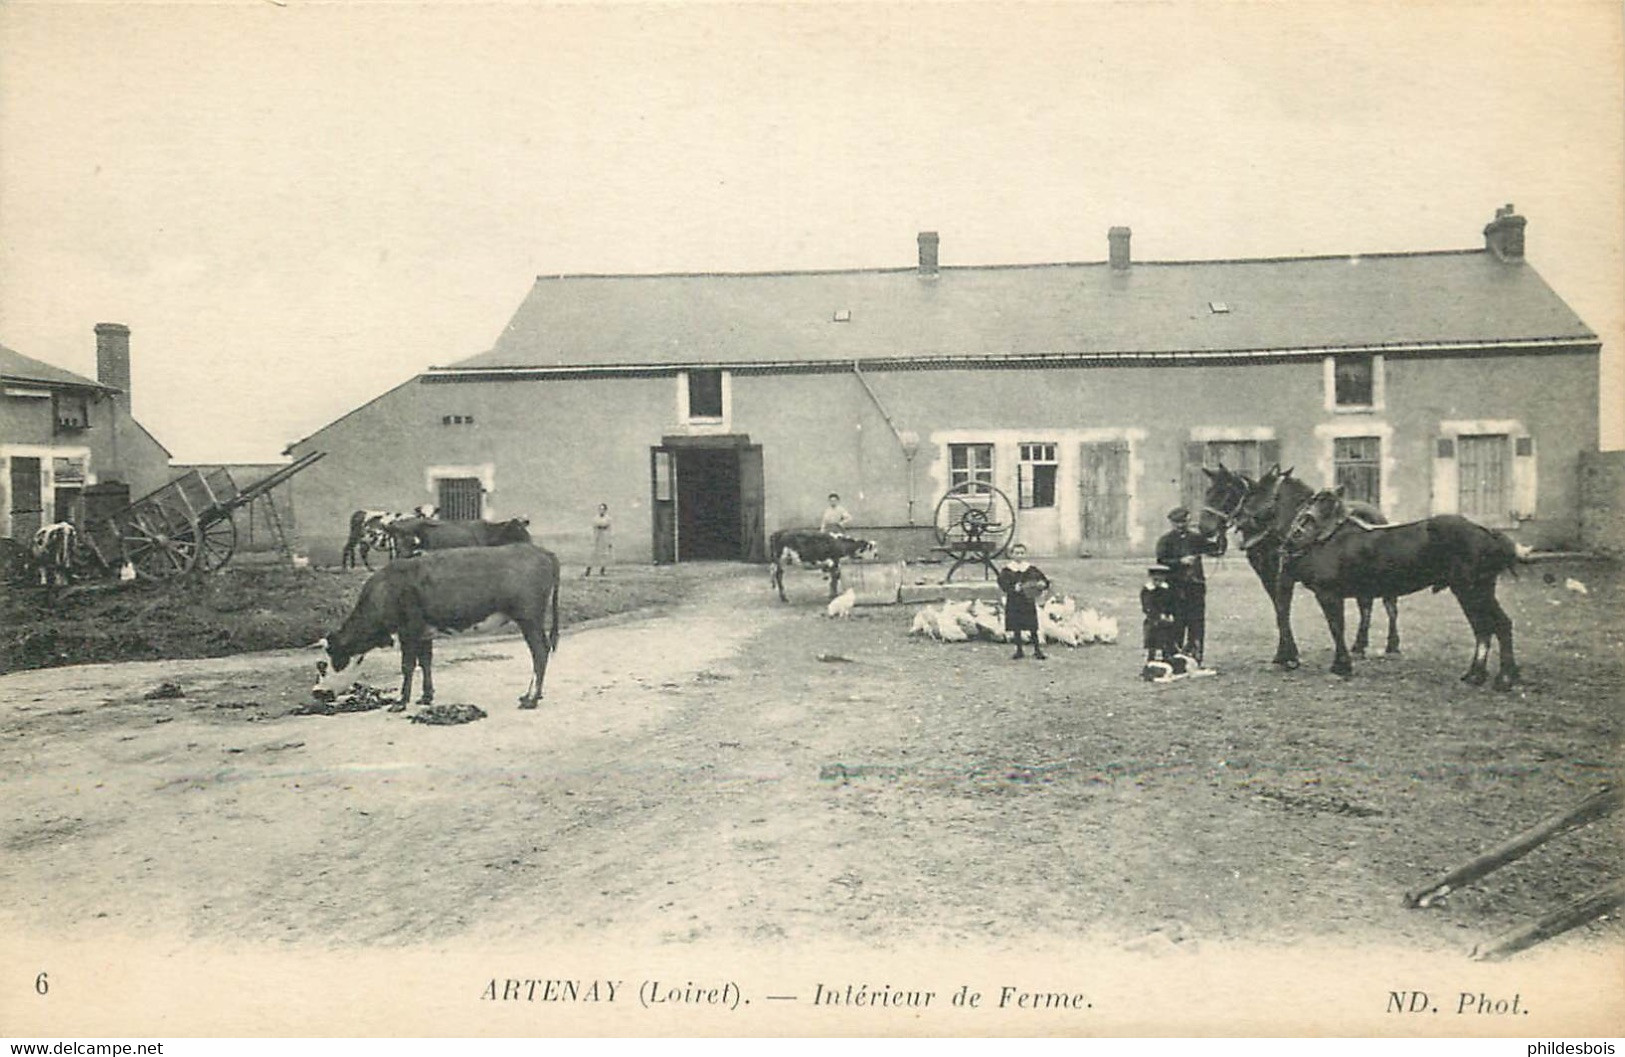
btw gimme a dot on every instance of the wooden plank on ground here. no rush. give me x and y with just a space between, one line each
1598 805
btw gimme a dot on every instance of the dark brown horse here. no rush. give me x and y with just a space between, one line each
1336 555
1262 535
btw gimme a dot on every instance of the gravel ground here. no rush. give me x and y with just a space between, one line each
739 775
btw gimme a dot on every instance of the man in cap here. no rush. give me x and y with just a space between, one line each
1181 550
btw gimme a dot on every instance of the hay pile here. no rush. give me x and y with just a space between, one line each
1059 620
447 715
359 698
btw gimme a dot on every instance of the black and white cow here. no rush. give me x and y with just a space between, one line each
53 551
809 547
368 532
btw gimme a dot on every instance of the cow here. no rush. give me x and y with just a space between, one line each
53 552
367 533
810 547
448 591
410 535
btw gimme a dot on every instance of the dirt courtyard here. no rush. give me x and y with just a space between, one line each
744 773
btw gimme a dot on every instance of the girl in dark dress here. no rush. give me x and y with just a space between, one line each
1022 584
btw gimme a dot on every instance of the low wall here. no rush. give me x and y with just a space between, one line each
1602 502
899 543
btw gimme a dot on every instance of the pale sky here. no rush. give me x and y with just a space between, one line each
295 207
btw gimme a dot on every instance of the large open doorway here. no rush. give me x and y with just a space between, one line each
707 499
707 505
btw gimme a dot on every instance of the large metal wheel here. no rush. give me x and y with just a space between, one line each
159 540
975 522
216 544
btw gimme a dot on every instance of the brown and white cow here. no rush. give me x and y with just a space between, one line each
449 590
808 547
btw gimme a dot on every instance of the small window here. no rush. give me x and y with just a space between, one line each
68 470
456 420
705 394
1446 448
72 412
1357 462
972 465
1524 446
1355 379
1035 476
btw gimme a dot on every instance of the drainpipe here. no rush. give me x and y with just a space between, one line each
909 442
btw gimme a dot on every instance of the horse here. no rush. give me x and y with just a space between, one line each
1227 494
1337 555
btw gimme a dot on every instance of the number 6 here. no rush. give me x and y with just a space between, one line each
41 984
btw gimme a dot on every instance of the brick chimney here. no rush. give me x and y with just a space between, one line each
113 357
1503 236
1118 239
928 253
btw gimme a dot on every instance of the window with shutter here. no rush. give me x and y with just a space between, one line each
1035 476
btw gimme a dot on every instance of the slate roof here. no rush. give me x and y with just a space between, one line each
15 367
1468 298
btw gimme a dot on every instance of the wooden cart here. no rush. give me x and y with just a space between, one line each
187 524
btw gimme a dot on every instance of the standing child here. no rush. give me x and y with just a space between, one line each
1022 584
603 544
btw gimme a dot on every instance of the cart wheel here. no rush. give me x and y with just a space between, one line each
161 542
217 544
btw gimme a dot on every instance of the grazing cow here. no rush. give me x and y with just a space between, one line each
367 533
447 591
807 547
53 552
414 534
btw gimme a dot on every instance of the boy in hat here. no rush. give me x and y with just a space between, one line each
1180 551
1022 584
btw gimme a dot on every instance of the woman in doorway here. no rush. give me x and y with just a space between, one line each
603 544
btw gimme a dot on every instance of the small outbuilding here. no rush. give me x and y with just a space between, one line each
66 440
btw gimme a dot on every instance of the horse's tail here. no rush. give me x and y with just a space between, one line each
1504 555
553 632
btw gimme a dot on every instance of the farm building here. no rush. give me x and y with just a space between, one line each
66 440
708 410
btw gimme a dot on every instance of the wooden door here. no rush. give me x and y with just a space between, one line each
752 503
1103 494
663 504
27 498
1483 479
